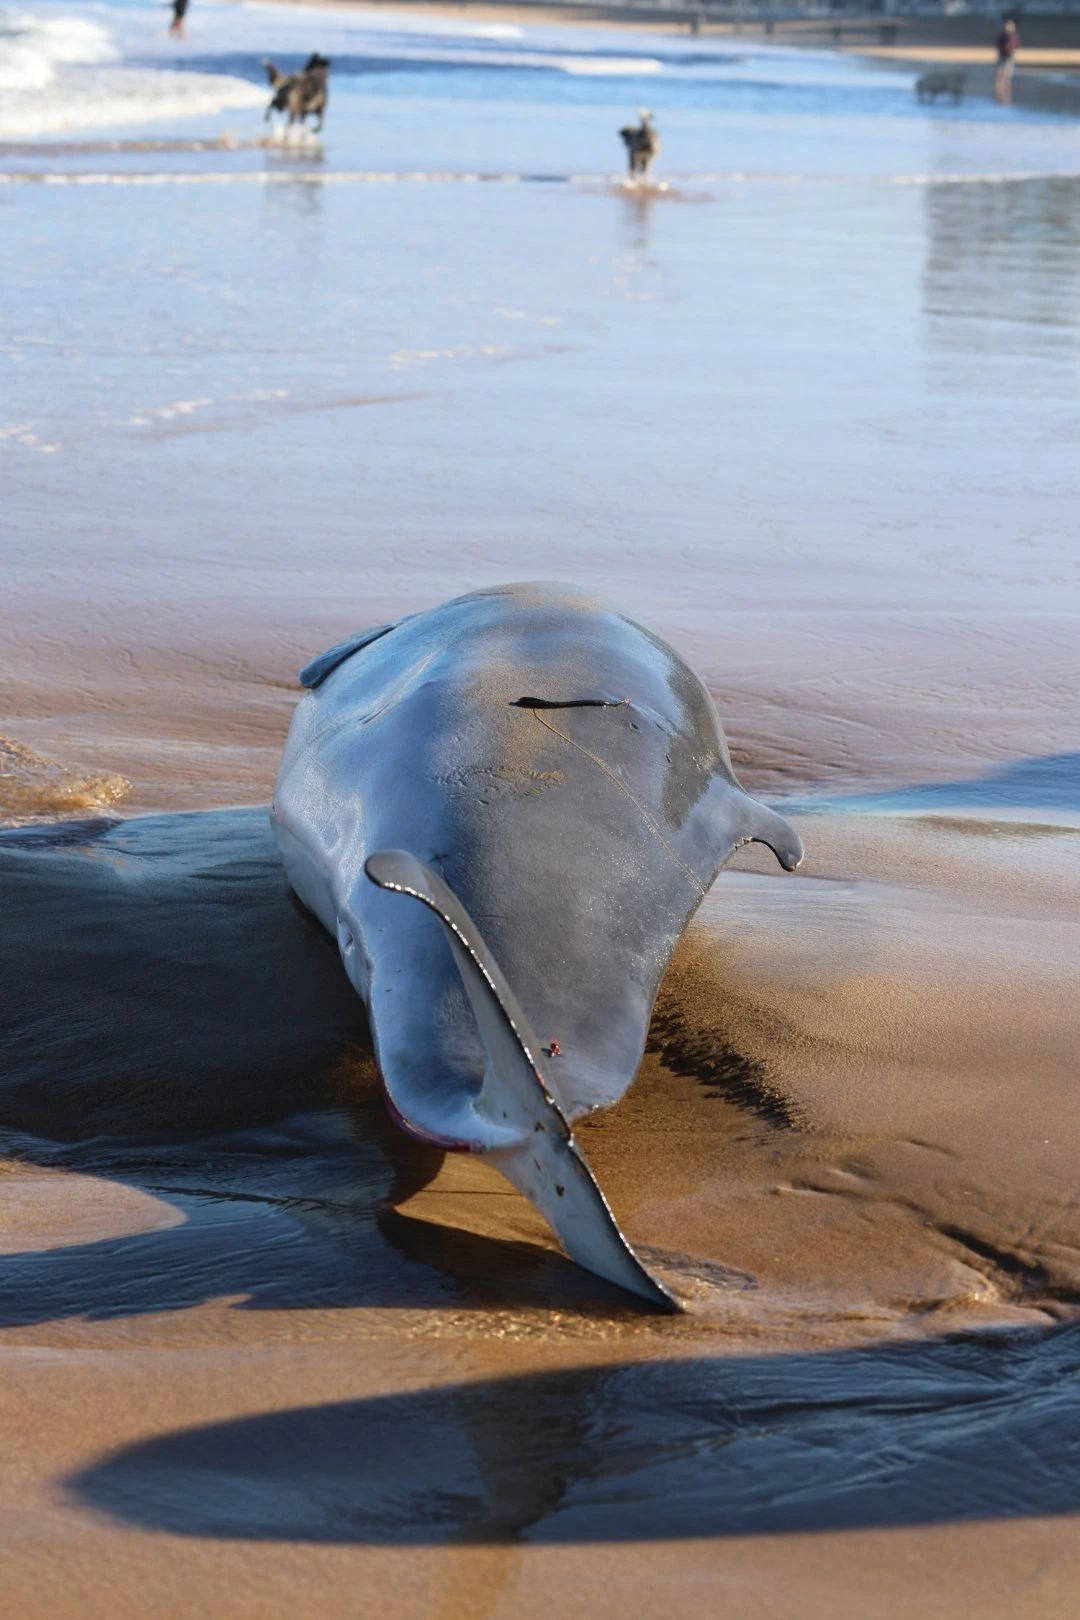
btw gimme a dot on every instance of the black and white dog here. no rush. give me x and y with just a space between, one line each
301 95
642 142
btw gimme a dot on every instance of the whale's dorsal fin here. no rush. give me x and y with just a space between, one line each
315 673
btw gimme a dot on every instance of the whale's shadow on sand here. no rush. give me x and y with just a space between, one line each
172 1020
939 1432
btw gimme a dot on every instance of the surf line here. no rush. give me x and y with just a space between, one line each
365 177
272 177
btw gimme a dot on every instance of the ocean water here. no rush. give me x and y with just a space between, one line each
416 93
65 68
805 403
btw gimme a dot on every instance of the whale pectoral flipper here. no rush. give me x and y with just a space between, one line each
765 826
735 819
545 1163
315 673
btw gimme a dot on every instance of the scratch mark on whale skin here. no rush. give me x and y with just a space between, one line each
619 783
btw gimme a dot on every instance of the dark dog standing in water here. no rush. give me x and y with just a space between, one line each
928 86
300 95
642 143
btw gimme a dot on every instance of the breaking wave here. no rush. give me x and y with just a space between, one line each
619 67
62 73
32 786
33 48
365 177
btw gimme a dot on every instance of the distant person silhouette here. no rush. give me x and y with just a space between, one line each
179 11
1008 43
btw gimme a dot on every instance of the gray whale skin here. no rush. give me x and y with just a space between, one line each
506 810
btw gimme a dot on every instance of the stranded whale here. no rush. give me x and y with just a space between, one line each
550 786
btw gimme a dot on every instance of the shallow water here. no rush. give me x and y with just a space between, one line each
806 410
646 1452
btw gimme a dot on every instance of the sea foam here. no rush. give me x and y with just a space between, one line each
63 73
32 48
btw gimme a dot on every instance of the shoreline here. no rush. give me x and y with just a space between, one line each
1047 76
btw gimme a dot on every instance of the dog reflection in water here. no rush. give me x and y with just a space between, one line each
302 95
642 142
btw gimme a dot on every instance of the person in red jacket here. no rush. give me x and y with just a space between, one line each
1008 43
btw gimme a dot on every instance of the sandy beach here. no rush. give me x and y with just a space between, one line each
805 410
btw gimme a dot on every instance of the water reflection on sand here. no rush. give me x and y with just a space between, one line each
999 278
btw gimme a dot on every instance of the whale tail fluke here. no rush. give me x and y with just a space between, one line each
521 1127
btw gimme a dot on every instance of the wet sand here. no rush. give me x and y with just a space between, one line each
253 1336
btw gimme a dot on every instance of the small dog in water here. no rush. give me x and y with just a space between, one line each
300 95
928 86
642 143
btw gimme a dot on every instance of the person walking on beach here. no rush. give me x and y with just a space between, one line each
1008 43
179 12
